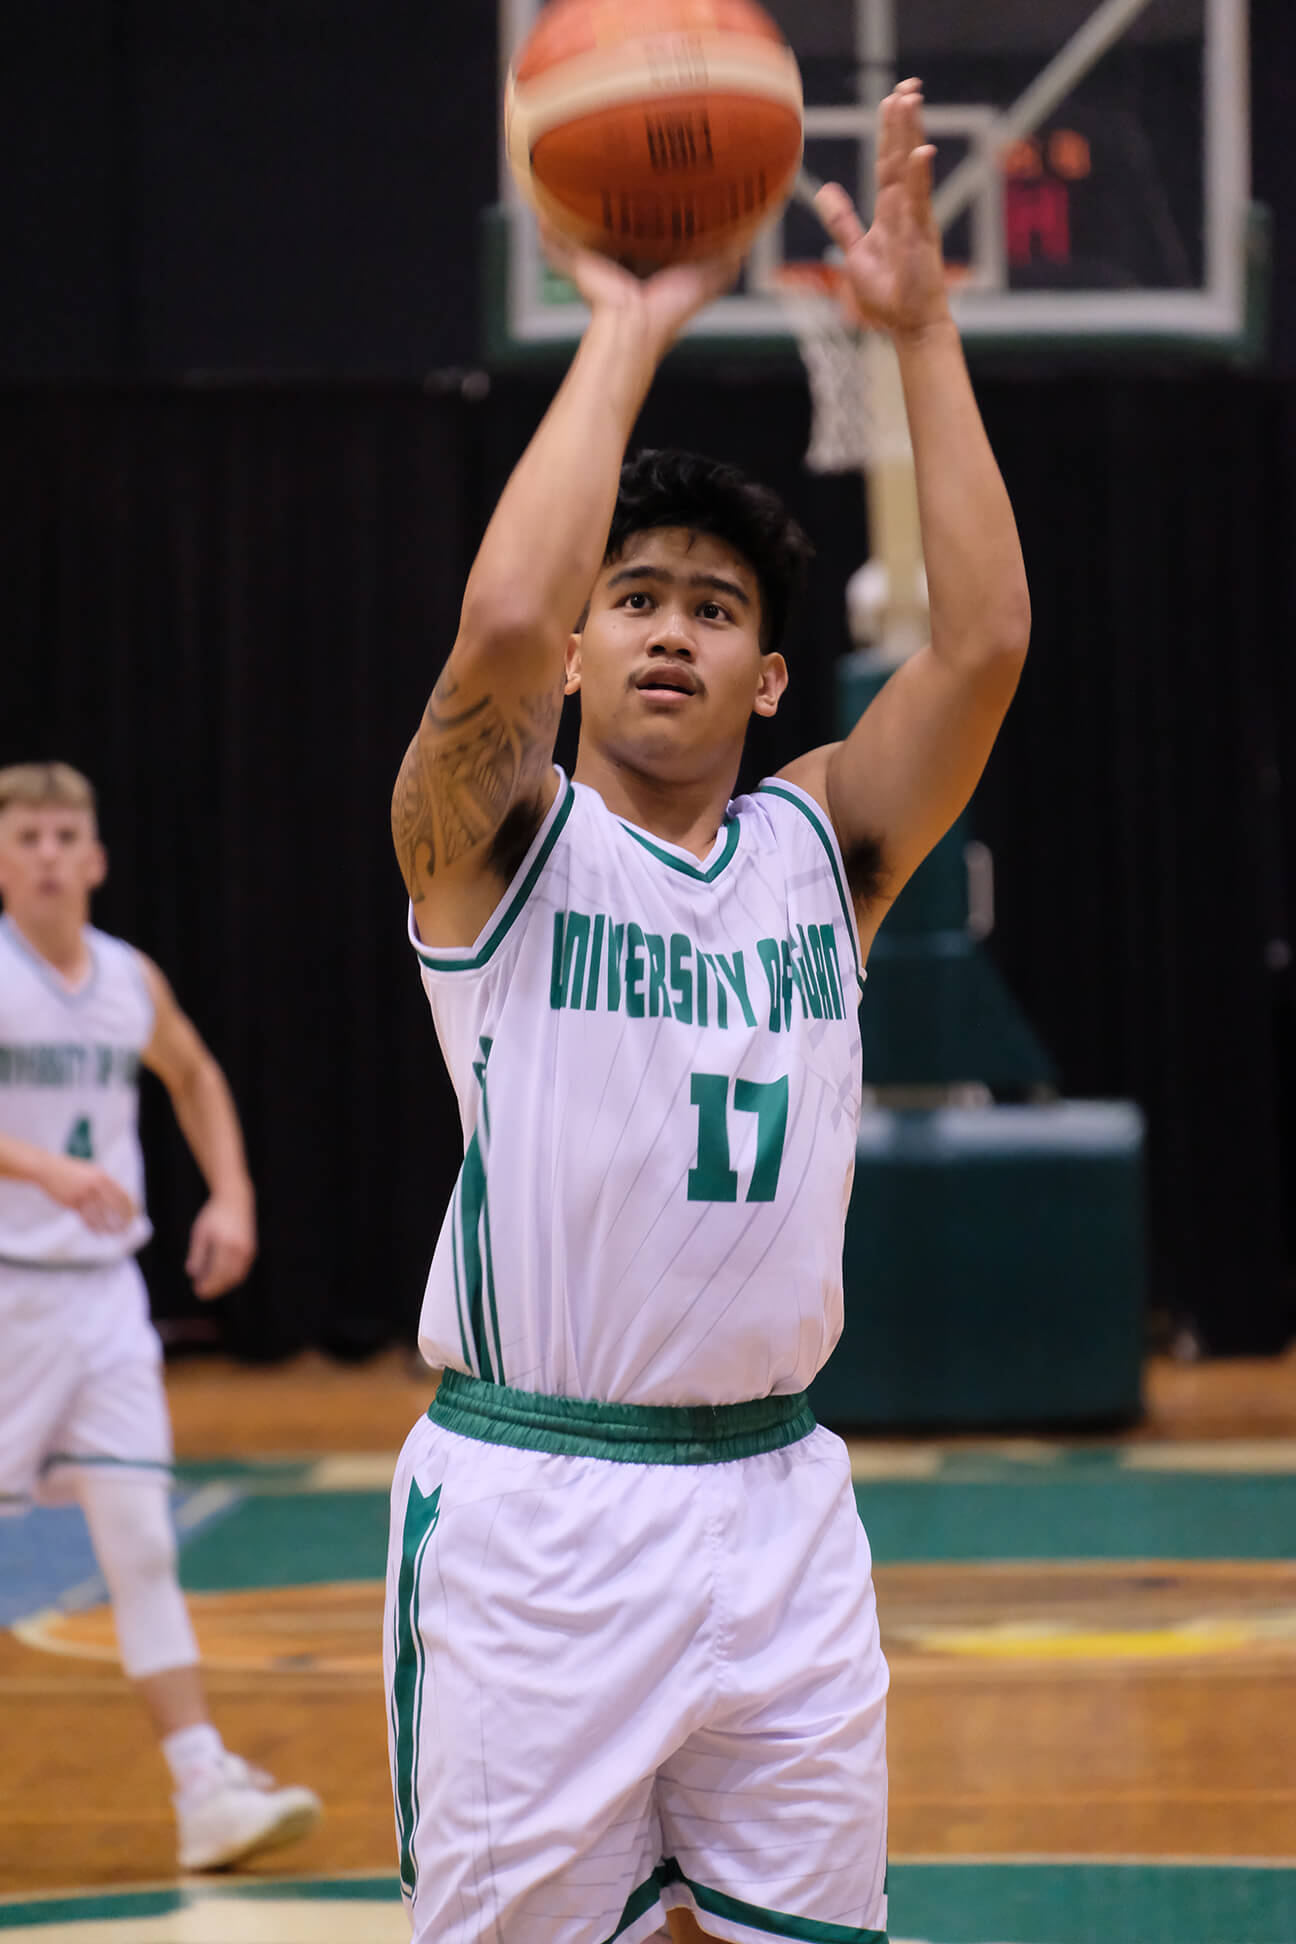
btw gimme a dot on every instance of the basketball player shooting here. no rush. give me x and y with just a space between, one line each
83 1412
631 1641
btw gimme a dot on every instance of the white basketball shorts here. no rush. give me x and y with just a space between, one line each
632 1662
80 1379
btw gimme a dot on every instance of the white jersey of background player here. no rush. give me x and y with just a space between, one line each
83 1411
631 1643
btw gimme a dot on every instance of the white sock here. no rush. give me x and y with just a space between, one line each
192 1754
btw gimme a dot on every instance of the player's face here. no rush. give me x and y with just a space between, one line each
50 860
669 663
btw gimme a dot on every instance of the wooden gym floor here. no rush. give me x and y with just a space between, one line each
1093 1651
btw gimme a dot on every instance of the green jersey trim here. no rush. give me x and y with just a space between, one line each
774 1923
472 961
680 864
626 1434
817 825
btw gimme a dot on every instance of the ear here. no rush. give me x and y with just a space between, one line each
98 868
572 665
769 690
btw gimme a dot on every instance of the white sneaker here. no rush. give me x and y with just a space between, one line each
239 1812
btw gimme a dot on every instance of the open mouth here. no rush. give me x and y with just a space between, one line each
672 682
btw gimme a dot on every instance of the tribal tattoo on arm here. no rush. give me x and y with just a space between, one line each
463 772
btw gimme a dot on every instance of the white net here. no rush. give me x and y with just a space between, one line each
858 424
857 407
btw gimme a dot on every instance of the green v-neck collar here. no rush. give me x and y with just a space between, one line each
686 866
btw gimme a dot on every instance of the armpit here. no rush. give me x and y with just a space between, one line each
866 872
514 839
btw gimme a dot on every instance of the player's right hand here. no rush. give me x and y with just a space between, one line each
666 300
84 1186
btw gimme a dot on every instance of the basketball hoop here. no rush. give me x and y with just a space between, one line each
857 407
858 424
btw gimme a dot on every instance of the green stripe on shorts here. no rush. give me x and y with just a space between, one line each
627 1434
421 1515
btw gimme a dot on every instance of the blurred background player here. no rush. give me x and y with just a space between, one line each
83 1411
632 1644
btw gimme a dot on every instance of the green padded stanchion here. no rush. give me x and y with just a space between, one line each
936 1012
994 1269
994 1256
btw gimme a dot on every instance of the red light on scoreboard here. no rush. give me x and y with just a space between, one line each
1068 154
1037 205
1037 221
1022 161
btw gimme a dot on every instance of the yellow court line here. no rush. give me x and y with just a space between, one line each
1272 1457
352 1471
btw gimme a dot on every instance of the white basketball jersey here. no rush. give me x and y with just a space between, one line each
657 1063
69 1082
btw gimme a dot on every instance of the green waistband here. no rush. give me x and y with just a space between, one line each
628 1434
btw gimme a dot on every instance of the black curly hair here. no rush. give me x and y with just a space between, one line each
668 488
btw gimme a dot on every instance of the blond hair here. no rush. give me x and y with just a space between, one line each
57 785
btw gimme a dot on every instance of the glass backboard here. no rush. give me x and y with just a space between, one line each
1092 175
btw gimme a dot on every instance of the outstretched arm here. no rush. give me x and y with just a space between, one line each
908 767
222 1242
479 771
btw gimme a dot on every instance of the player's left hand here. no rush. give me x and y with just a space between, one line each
895 269
222 1246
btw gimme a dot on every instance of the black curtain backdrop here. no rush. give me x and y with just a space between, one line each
1135 804
227 606
243 185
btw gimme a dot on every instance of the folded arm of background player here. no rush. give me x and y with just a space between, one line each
478 777
222 1243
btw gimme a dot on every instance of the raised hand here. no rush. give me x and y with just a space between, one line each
894 268
665 301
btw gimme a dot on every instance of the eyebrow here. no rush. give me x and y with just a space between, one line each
664 574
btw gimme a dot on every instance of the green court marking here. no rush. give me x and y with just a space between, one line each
1092 1903
1038 1503
1055 1902
252 1474
306 1539
117 1905
1078 1513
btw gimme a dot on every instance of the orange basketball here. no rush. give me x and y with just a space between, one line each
655 130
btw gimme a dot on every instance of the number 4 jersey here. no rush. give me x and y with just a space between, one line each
657 1063
69 1082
